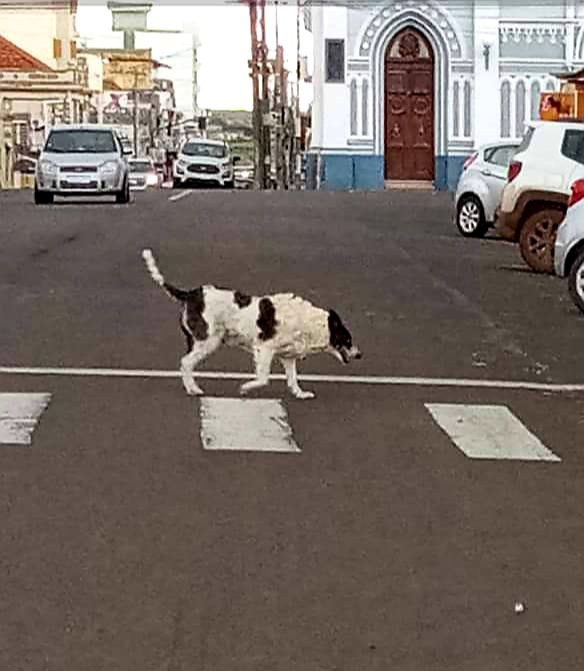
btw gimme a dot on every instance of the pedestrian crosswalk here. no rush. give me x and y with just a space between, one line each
484 431
19 414
489 432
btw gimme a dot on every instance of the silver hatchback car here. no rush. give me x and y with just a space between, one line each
480 187
82 160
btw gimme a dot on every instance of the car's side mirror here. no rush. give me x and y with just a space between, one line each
236 159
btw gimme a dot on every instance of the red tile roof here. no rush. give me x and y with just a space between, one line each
15 58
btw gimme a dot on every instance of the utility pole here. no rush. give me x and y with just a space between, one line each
195 76
265 134
297 118
257 119
135 115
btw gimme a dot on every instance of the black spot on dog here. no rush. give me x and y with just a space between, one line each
194 308
339 336
241 300
267 320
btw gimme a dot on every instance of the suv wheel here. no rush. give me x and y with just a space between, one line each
123 196
537 239
576 281
470 217
42 197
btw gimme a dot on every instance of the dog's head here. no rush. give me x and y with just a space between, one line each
340 340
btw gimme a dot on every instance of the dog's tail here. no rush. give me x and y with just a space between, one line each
174 292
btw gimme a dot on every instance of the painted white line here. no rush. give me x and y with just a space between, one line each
178 196
348 379
19 414
489 432
247 425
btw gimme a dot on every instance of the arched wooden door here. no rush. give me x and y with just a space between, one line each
409 107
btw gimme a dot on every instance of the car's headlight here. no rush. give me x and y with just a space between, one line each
108 168
48 167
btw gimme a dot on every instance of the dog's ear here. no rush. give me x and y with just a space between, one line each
334 319
336 328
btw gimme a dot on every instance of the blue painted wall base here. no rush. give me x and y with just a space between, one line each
365 172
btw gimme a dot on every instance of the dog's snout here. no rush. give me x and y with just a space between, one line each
359 355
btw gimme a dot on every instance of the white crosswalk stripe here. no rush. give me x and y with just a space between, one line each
489 432
245 425
19 415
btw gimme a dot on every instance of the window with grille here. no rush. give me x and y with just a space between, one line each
335 60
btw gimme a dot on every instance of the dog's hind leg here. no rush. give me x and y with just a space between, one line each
200 351
292 380
263 363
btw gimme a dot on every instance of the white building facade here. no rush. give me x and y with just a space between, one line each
405 90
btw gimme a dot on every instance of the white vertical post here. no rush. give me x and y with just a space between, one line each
486 118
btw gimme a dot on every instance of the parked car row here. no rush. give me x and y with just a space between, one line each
532 194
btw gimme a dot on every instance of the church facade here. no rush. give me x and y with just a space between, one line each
405 90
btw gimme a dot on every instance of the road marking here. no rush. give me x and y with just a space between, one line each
178 196
19 415
342 379
247 425
489 432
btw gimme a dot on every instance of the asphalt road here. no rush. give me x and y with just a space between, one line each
126 546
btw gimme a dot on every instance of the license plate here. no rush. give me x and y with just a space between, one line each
78 179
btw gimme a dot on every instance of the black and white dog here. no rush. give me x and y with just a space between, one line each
282 325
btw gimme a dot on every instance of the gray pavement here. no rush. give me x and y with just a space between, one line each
126 546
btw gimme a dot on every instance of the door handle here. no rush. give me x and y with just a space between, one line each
487 173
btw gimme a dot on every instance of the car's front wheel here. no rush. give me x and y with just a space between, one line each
538 237
576 281
470 217
42 197
123 196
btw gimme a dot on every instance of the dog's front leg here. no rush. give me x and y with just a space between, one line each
292 380
263 363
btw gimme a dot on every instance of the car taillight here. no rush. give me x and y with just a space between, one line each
471 159
577 192
514 170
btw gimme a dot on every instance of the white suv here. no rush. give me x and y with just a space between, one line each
548 160
202 160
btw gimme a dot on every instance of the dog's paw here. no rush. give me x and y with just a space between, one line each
304 395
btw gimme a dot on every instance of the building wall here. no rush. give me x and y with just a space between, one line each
41 32
491 62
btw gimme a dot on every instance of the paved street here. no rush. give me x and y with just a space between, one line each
391 523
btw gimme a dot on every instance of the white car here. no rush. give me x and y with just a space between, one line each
569 245
200 160
82 160
143 174
549 159
480 185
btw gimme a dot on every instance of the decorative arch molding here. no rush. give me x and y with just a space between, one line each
429 11
442 58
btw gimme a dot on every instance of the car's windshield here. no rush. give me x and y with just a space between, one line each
204 149
81 142
140 166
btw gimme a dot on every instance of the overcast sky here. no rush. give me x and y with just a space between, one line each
223 32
